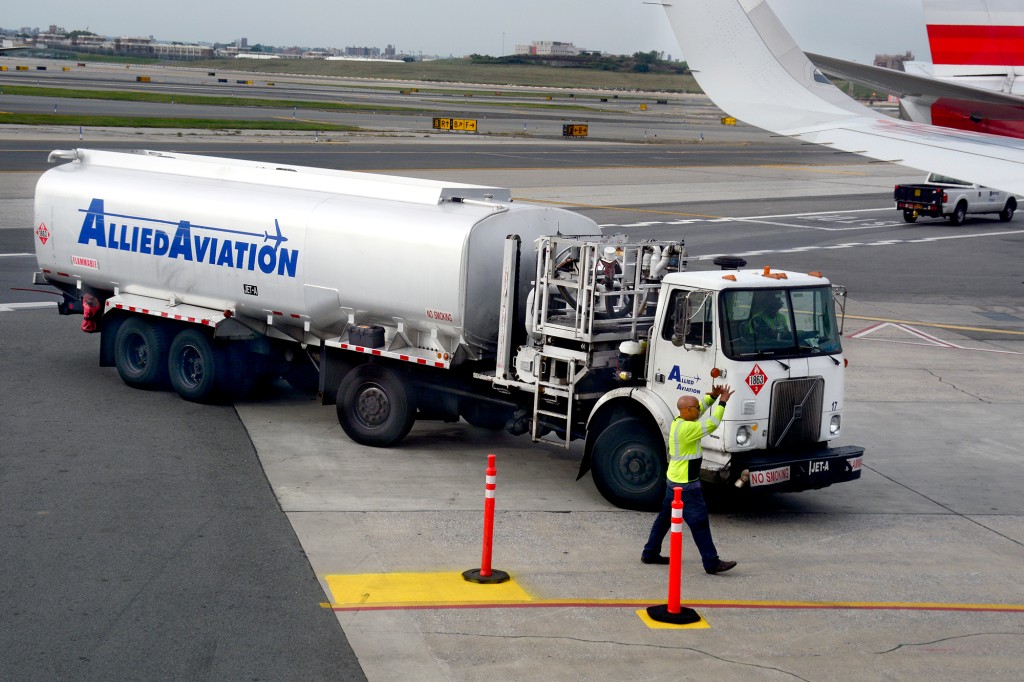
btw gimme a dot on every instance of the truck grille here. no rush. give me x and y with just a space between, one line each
796 412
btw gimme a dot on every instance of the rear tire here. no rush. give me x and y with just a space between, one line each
198 369
140 353
959 214
629 465
910 216
375 407
1006 215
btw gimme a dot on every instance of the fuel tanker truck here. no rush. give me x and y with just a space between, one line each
401 299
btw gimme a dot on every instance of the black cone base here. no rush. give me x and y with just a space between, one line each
661 614
496 576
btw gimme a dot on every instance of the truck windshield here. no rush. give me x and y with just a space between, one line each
779 323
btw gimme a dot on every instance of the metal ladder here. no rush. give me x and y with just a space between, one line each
562 369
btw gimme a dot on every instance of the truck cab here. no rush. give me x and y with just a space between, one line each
614 345
774 337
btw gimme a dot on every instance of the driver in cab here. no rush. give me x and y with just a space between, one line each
767 321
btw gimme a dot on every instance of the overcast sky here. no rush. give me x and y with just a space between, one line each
850 30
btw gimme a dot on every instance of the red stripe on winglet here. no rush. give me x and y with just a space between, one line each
977 45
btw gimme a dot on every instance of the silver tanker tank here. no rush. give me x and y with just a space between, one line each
305 245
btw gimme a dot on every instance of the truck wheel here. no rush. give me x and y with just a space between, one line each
195 365
375 407
140 353
959 214
1006 215
910 216
629 465
240 372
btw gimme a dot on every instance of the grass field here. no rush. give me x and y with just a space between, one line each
462 71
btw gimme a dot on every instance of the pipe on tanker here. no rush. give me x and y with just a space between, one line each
659 268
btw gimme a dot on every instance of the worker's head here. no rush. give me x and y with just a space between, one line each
767 301
688 407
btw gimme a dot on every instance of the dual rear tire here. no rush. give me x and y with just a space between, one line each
197 367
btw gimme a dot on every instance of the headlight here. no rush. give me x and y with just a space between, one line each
833 426
742 435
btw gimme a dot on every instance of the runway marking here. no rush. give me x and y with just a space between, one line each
850 245
928 338
936 325
372 589
811 169
658 625
694 604
448 590
13 307
616 208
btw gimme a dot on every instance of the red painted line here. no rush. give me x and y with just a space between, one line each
274 312
976 45
952 608
421 361
296 316
63 274
375 352
404 358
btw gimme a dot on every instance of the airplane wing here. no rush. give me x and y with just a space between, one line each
749 65
902 84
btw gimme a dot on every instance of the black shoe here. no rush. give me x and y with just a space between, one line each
722 567
656 559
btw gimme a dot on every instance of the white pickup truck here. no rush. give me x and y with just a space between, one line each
940 196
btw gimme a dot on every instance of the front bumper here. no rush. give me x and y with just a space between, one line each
806 470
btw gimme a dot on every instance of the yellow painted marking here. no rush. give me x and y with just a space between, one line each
377 589
658 625
625 209
448 590
809 169
938 325
306 120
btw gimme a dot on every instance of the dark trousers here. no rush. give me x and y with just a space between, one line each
695 514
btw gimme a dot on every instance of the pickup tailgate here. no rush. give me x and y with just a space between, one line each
918 197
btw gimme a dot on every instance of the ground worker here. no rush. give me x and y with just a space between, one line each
684 472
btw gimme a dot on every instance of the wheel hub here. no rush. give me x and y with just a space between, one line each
373 407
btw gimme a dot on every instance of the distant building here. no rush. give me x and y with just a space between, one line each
365 52
58 39
548 48
893 61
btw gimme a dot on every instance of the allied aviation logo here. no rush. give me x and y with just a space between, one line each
263 251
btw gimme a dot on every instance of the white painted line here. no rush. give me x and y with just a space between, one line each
927 339
15 255
888 242
40 305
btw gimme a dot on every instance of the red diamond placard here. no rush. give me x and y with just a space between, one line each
756 379
42 232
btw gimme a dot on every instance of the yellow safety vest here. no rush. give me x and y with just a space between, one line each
684 453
